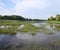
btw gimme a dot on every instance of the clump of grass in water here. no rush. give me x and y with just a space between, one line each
57 27
10 30
48 31
29 28
45 30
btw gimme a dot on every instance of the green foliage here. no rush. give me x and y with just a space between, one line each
48 19
28 28
51 18
57 18
12 26
16 17
9 30
15 27
12 17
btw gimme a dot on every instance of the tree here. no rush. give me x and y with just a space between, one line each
57 17
51 18
12 17
0 17
48 19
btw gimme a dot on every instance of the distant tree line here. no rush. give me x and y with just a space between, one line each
57 18
12 17
16 17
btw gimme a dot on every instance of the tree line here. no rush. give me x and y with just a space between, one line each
57 18
16 17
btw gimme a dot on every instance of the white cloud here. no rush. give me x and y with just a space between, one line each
25 5
2 8
2 5
22 6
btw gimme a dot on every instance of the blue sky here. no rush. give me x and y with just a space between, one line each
40 9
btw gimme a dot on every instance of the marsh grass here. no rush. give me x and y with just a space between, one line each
9 30
57 28
9 22
56 24
28 27
46 31
49 32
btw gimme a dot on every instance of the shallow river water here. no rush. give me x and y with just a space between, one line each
25 41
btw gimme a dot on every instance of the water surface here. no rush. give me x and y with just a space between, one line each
26 41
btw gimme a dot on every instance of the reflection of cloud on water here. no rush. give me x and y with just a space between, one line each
38 37
9 41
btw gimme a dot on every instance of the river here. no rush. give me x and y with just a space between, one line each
25 41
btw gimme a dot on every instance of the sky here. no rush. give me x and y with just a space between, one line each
39 9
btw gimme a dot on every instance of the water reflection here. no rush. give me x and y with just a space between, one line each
26 41
38 37
8 42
